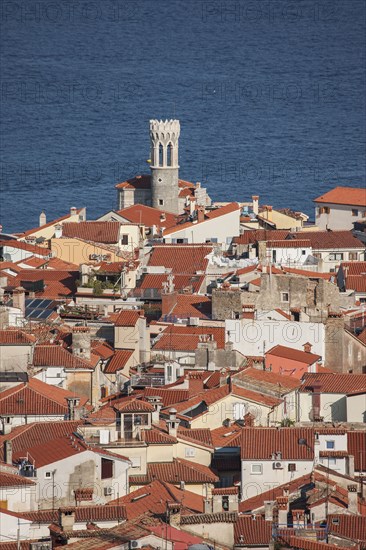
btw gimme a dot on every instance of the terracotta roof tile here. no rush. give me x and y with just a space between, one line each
227 436
35 398
352 196
176 471
82 514
118 361
202 436
94 231
218 517
183 338
16 337
293 354
252 236
256 396
57 284
356 444
333 382
104 350
155 281
282 382
325 240
148 216
260 443
134 406
168 396
252 533
191 305
14 480
155 436
356 283
209 215
346 525
128 318
53 355
21 245
181 258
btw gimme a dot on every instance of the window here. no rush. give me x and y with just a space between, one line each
352 255
336 256
169 155
190 452
141 420
330 444
317 255
292 467
332 461
256 469
303 252
284 297
161 202
48 475
107 468
354 212
124 239
225 503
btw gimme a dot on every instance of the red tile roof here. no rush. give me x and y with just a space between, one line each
252 236
181 258
23 437
325 240
156 436
153 498
35 398
192 305
348 525
168 396
256 397
259 443
282 382
57 284
290 243
176 471
334 382
128 318
356 445
144 182
16 338
148 216
307 273
225 491
293 354
209 215
14 480
356 283
49 224
251 532
156 281
353 268
309 544
352 196
227 436
52 451
34 262
187 338
134 405
104 350
53 355
118 361
82 514
202 436
98 232
36 250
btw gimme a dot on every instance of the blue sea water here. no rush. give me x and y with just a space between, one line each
270 95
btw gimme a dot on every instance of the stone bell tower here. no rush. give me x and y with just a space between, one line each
164 136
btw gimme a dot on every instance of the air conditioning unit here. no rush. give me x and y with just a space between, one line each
134 544
277 465
108 491
42 545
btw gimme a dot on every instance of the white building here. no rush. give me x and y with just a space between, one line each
340 207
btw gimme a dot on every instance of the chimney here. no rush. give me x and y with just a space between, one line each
172 422
175 514
73 404
19 298
283 509
7 424
255 204
200 213
155 400
307 347
8 451
268 510
269 213
195 383
249 419
351 466
73 211
352 499
81 345
66 518
162 217
58 231
42 219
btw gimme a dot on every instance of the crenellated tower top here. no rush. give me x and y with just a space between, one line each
164 137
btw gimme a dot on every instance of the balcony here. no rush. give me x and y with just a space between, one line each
147 380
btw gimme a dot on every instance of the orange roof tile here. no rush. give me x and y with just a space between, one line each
156 281
202 436
333 382
181 258
187 338
95 231
8 479
35 398
259 443
118 361
252 533
293 354
252 236
34 249
209 215
281 381
352 196
48 224
148 216
16 337
290 243
128 318
168 396
176 471
191 305
82 514
356 445
133 406
346 525
325 240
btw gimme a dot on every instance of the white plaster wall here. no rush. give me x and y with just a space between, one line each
340 216
356 408
253 337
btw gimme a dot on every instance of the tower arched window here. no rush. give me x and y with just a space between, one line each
161 155
170 155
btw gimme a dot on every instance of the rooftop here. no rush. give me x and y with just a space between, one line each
352 196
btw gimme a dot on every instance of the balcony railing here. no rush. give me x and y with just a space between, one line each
147 380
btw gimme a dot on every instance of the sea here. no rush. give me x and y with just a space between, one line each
270 95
